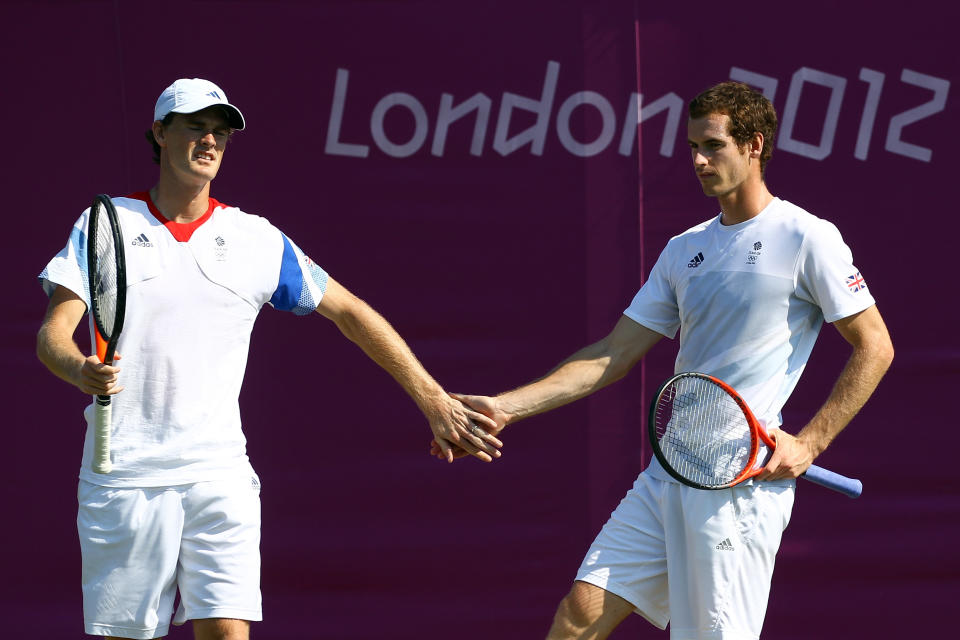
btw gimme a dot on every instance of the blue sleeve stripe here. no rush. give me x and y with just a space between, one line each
287 294
69 267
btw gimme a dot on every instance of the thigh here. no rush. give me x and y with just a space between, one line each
129 543
721 551
628 557
219 575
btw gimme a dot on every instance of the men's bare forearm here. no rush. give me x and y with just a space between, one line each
853 388
57 349
452 424
585 372
578 376
61 355
382 344
871 357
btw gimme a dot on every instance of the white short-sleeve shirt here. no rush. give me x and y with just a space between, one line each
193 293
749 299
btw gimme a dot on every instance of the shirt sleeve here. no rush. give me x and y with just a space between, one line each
827 277
302 282
655 305
69 267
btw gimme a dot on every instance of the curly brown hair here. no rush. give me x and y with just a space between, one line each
750 112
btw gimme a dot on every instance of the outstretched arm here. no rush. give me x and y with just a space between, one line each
57 349
871 357
580 375
452 423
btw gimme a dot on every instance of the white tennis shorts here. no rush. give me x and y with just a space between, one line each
718 547
139 546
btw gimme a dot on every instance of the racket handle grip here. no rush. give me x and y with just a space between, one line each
849 487
102 415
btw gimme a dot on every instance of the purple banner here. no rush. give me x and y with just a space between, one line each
476 172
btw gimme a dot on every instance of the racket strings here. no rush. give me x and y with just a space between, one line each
702 432
105 283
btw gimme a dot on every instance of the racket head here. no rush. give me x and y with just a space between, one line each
702 432
106 271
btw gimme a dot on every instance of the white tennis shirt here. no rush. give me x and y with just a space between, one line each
749 300
193 294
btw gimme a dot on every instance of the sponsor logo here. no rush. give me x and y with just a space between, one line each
141 241
726 545
696 261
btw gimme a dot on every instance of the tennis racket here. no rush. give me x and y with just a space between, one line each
106 270
705 436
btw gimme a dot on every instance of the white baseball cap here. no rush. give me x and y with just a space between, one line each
192 95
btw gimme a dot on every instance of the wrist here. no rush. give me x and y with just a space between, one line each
432 401
507 409
812 444
73 368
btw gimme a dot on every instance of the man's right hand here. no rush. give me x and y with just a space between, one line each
97 379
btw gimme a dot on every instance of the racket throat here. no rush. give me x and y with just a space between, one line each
101 346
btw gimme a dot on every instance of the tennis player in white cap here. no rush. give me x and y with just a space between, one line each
180 510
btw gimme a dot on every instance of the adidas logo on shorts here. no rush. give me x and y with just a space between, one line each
726 545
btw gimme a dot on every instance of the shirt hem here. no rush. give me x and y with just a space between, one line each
243 470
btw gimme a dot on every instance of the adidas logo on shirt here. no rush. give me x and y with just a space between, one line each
141 241
696 261
726 545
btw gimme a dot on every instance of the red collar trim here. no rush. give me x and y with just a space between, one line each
181 231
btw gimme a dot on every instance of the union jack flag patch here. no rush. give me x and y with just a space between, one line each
856 282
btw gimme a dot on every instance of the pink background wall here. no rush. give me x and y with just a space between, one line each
495 264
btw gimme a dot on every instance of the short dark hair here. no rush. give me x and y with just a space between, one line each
750 112
167 119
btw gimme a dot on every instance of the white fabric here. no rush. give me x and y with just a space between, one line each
203 539
749 299
720 547
190 309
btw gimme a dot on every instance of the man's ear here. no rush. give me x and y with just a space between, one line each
158 133
756 145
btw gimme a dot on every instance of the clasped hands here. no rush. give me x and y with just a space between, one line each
478 420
